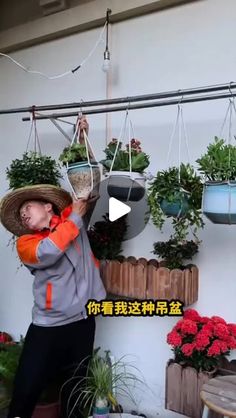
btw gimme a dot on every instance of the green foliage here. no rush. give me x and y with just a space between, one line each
74 153
219 162
174 252
168 185
33 169
9 358
139 160
103 383
106 237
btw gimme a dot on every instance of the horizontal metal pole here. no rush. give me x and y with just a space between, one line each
129 99
135 106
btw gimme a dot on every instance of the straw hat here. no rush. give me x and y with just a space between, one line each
11 203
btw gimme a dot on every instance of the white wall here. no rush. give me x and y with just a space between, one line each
189 46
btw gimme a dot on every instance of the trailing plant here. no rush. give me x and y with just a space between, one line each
32 169
106 237
74 153
219 162
183 186
201 342
174 252
139 160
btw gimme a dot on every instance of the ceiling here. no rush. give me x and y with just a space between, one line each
18 12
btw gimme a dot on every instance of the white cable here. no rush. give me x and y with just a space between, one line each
58 75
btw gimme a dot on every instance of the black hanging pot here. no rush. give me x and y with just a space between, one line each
126 186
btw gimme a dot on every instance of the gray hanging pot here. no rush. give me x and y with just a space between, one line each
219 202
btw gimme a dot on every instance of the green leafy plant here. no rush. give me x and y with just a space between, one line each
174 252
139 160
9 358
32 169
219 162
106 237
102 384
183 186
74 153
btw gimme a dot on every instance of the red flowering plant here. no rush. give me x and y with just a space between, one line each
201 342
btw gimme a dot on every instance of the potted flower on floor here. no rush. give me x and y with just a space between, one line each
218 165
125 170
198 343
104 382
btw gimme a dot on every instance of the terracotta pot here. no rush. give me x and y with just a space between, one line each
47 411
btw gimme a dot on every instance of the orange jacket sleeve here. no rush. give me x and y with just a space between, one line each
36 251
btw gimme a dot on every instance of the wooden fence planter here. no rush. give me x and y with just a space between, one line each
146 279
183 386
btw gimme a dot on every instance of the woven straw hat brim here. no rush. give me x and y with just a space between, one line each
11 203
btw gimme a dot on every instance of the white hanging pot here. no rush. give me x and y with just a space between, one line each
219 202
126 185
84 178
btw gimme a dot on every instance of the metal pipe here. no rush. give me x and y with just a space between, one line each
136 106
129 99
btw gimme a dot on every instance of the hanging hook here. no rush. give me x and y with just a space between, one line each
180 102
232 95
127 109
33 112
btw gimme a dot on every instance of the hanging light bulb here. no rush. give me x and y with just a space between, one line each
107 62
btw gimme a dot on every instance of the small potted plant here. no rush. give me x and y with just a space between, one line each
173 253
106 237
177 193
103 383
218 165
125 170
198 343
83 174
33 168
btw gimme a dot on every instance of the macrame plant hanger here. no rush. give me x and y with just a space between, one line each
179 125
88 147
231 108
119 141
33 134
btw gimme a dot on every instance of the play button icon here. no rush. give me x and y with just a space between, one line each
117 209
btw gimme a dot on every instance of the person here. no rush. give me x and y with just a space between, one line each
53 244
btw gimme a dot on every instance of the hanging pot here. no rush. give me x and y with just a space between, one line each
219 202
126 185
84 178
177 208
